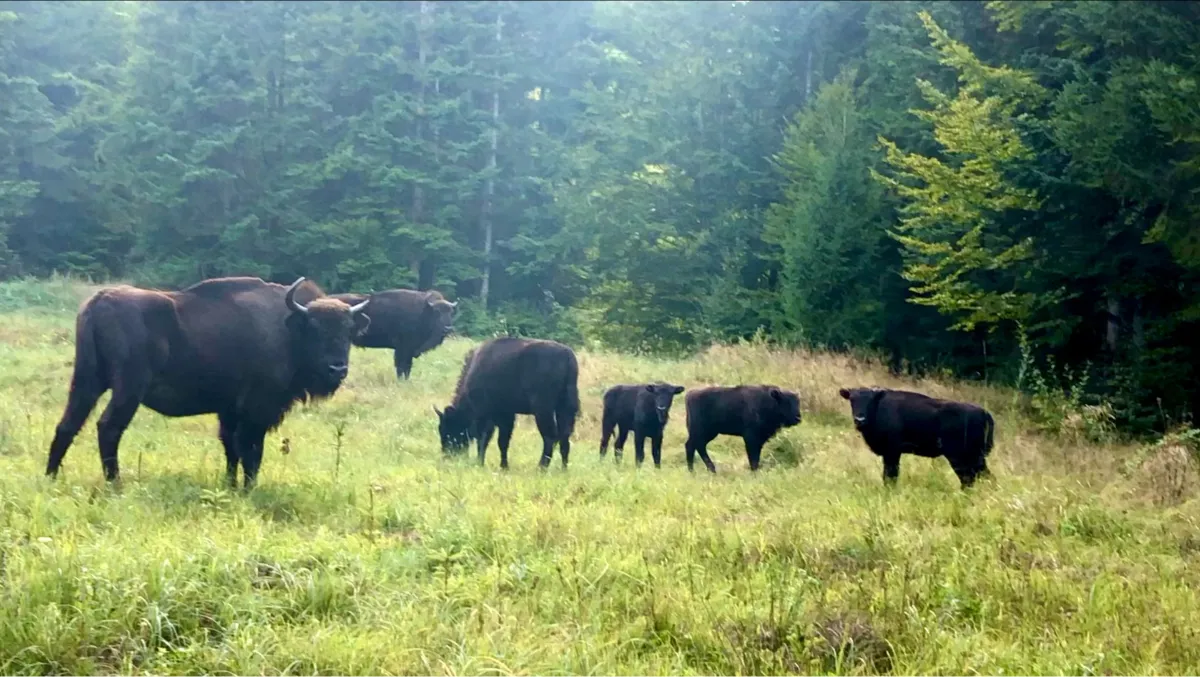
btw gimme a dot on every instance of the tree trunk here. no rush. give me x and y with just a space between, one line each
1114 323
418 194
808 77
485 214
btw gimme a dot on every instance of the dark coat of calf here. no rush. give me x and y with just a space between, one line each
754 413
644 409
895 422
509 376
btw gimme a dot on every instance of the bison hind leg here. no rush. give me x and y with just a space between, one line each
128 390
564 423
80 403
227 433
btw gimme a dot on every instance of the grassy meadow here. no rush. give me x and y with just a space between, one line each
363 551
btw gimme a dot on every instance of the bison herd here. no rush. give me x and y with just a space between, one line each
248 350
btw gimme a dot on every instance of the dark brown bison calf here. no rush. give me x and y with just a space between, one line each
754 413
644 409
895 422
509 376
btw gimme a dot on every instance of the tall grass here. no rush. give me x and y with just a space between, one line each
390 559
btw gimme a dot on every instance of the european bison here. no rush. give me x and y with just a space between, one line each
409 322
240 348
895 422
644 409
509 376
754 413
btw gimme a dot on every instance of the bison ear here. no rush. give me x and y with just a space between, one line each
650 387
677 389
776 393
844 393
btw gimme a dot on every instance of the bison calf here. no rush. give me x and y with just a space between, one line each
644 409
754 413
895 422
509 376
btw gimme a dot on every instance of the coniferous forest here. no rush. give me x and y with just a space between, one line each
1004 191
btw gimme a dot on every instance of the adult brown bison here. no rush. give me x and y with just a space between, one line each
240 348
754 413
409 322
509 376
895 422
644 409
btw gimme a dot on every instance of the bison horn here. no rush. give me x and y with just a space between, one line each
290 299
356 309
436 410
454 305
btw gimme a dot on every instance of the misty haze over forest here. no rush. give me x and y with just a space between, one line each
1005 190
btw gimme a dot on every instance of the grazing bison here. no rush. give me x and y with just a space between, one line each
240 348
509 376
754 413
644 409
895 422
409 322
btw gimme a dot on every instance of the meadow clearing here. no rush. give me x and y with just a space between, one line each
362 550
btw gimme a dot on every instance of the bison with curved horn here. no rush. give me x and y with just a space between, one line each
241 348
409 322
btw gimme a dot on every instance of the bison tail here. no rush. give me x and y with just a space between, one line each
989 427
88 382
568 408
89 374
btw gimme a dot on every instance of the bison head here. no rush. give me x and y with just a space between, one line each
321 333
439 313
788 406
454 427
862 404
663 395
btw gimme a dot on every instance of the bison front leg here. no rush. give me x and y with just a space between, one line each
891 469
227 433
403 362
486 430
639 447
656 449
250 449
754 447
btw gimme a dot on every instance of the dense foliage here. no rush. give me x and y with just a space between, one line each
994 188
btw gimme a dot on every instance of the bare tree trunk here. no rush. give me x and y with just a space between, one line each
1114 323
485 215
808 76
417 211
